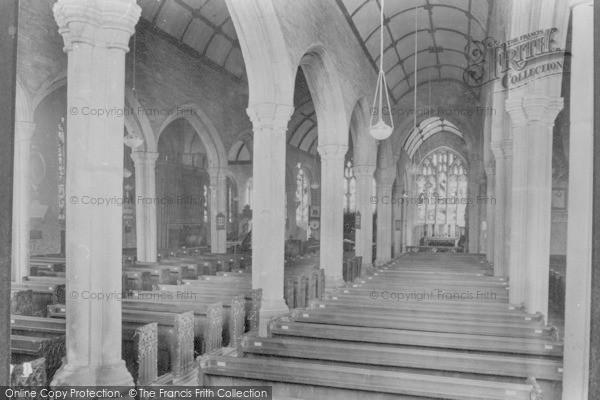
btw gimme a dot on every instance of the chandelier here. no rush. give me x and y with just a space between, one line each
381 130
133 140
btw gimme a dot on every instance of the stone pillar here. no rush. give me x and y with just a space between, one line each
499 210
397 217
96 35
268 209
490 207
507 150
364 204
332 213
411 208
218 200
473 206
533 119
384 221
579 226
20 206
146 231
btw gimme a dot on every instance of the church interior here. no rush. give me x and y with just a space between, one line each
316 199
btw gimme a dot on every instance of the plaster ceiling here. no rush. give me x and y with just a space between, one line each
203 25
444 28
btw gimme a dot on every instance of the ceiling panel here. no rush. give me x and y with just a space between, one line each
442 25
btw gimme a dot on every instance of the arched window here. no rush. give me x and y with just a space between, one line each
442 189
349 188
249 189
302 195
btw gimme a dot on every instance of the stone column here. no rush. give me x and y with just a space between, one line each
499 210
364 204
579 226
268 209
146 231
507 150
490 207
20 206
218 200
96 35
473 206
411 208
332 213
397 216
533 119
384 221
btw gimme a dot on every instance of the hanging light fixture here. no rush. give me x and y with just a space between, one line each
381 130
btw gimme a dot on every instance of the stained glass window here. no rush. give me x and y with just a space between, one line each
442 188
249 189
302 195
349 188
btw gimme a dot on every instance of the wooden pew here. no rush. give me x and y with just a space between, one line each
27 348
29 375
213 321
42 294
367 355
320 381
252 297
543 346
175 333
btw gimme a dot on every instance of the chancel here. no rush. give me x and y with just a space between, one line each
317 199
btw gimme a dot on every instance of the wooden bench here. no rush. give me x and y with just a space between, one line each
28 348
311 380
252 297
175 333
33 298
29 375
227 323
367 355
543 346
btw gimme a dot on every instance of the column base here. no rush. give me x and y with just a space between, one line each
333 282
382 261
97 375
270 308
367 270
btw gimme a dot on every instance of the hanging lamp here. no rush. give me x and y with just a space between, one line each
381 130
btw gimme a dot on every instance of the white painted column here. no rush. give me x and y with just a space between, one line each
364 204
579 223
533 120
507 150
20 207
499 209
397 216
473 206
96 35
332 213
384 221
146 231
490 207
268 206
412 207
218 199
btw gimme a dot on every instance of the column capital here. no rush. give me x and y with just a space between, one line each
542 108
144 158
24 130
496 147
216 173
363 171
332 151
514 108
270 115
107 23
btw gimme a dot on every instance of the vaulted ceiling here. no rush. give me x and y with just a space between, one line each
203 25
444 28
